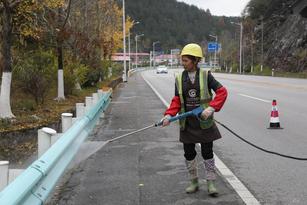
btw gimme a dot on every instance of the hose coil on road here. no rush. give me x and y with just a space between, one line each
260 148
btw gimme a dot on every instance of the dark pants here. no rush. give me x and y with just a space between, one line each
190 152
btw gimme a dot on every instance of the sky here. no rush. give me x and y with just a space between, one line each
220 7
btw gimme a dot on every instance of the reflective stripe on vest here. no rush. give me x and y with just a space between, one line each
205 98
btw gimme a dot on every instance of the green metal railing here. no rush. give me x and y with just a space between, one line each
36 183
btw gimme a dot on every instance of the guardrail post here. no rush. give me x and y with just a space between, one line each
79 109
103 113
95 101
100 95
95 98
73 120
4 174
66 121
110 90
44 139
88 103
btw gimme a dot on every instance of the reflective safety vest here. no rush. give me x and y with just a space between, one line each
205 98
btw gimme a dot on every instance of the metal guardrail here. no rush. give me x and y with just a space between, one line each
36 183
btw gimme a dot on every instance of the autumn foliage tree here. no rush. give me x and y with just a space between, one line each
97 33
19 19
87 33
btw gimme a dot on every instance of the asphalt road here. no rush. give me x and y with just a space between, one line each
273 180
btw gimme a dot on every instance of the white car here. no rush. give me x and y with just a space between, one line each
161 69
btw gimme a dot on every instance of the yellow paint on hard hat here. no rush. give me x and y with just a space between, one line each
192 49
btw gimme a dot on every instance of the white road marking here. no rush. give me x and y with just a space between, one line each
128 97
119 102
122 130
267 101
156 92
236 184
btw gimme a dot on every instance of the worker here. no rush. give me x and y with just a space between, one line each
193 88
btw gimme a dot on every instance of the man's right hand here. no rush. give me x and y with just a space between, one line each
166 121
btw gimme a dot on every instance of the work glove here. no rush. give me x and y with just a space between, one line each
208 112
165 120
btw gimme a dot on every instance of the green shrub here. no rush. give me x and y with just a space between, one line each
25 105
74 73
5 122
35 73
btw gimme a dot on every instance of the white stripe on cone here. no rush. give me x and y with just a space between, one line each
274 120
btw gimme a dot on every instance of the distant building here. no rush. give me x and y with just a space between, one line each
119 58
142 57
167 59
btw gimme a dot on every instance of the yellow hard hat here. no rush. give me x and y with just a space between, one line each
192 49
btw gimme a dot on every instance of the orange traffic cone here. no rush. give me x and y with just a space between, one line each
274 121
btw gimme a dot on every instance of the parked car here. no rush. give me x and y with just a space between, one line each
161 69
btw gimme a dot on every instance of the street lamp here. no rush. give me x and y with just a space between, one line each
176 51
153 47
136 49
130 44
171 58
124 42
150 59
261 68
215 49
241 42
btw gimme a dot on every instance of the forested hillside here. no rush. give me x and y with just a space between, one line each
284 33
174 23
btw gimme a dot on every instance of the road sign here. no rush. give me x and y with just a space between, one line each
212 47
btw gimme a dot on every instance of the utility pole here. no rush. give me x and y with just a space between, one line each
150 59
216 44
241 46
129 49
174 52
124 42
136 50
241 43
261 68
129 39
154 53
171 59
252 52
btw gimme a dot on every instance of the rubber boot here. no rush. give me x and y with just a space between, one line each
212 191
211 177
192 169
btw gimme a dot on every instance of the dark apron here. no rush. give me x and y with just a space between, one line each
193 132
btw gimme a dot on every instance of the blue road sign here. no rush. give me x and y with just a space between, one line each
212 47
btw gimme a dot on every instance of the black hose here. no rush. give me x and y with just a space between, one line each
260 148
